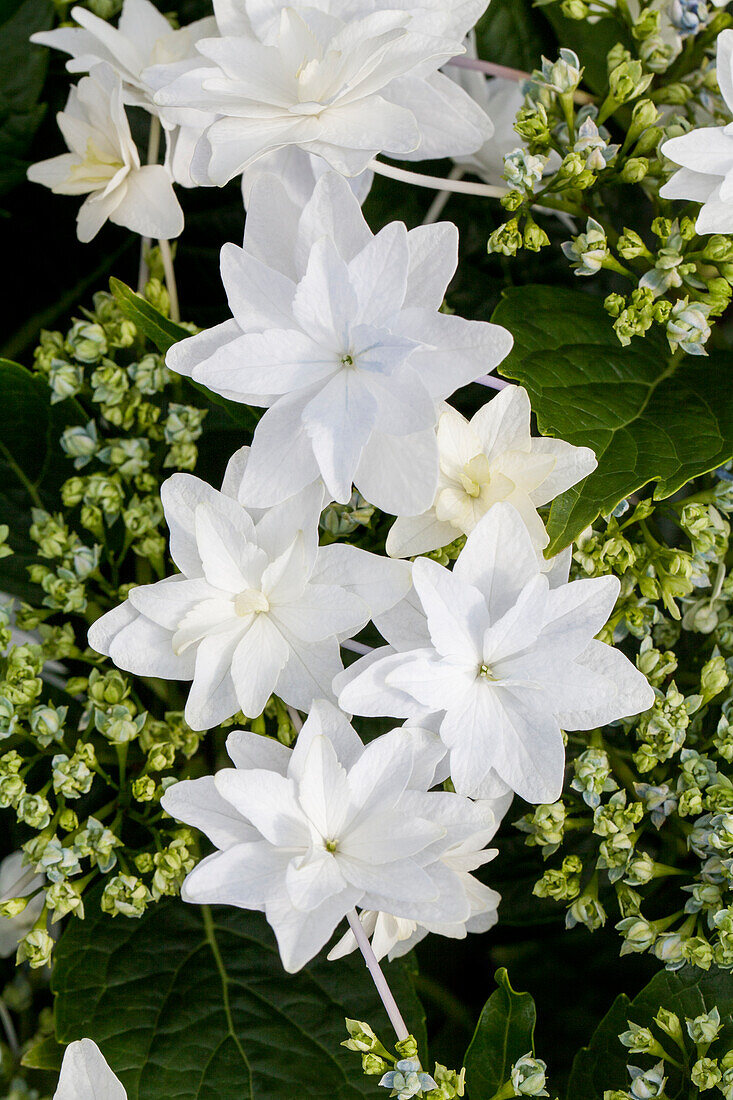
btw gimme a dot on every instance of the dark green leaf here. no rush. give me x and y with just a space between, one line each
152 323
505 1032
602 1065
22 75
646 418
512 33
195 1005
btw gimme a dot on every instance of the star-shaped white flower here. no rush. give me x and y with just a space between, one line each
507 660
104 164
85 1075
706 157
257 608
489 459
469 828
341 83
307 834
338 334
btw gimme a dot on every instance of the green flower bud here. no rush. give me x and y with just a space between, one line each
183 423
372 1064
68 820
706 1074
704 1029
71 777
528 1076
634 170
507 239
586 910
362 1039
574 9
714 677
144 863
13 907
63 898
47 723
614 303
718 249
129 456
34 810
109 688
125 895
143 789
36 949
86 342
150 375
513 201
110 384
407 1048
698 952
65 380
181 456
80 443
12 789
669 1023
646 1084
639 935
535 238
627 81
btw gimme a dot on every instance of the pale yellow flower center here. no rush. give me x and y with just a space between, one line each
97 167
251 602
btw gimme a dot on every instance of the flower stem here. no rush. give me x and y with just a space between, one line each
356 647
9 1029
378 977
170 278
294 718
438 183
492 383
145 242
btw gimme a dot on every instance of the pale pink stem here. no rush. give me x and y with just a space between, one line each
295 718
378 977
356 647
489 67
491 382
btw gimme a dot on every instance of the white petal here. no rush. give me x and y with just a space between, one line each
149 205
257 663
399 474
379 583
456 611
499 558
197 802
254 750
85 1075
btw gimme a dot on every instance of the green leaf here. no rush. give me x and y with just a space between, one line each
44 1055
689 992
646 417
505 1032
512 33
194 1004
152 323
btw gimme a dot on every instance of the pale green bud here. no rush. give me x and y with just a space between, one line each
36 949
86 341
704 1029
63 898
528 1076
627 81
143 789
80 443
34 810
150 375
125 895
639 935
47 723
507 239
706 1074
688 326
575 9
65 380
13 907
646 1084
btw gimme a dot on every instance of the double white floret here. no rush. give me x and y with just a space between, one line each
338 334
258 607
307 834
103 164
500 661
341 84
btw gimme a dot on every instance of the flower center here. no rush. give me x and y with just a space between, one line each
251 602
347 360
486 672
476 475
332 845
97 168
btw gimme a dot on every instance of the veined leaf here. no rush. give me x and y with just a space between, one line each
505 1032
194 1004
646 416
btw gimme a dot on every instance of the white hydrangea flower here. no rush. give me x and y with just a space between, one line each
85 1075
257 608
307 834
341 83
103 163
491 458
18 880
338 334
504 658
706 157
142 38
467 833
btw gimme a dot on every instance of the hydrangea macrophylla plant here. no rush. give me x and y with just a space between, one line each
307 834
343 85
103 163
491 458
258 607
464 851
85 1075
506 660
338 334
706 158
